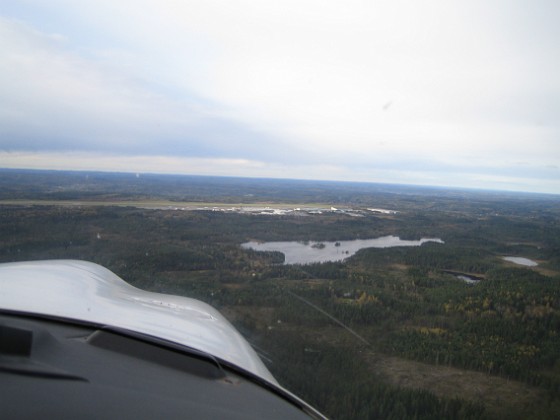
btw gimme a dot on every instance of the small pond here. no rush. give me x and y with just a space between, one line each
467 278
521 261
315 252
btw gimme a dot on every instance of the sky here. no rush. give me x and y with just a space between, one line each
445 93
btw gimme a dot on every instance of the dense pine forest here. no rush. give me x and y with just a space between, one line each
387 333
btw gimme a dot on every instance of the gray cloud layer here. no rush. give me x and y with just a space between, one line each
473 88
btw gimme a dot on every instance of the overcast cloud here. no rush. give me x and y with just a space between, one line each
419 92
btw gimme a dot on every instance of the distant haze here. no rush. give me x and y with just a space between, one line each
462 93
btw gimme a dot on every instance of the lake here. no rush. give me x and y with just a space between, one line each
315 252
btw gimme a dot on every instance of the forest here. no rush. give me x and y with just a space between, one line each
387 333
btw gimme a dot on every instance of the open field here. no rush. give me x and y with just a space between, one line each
161 204
502 397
